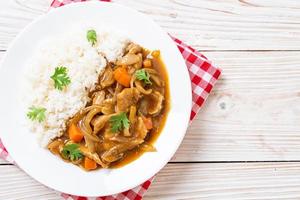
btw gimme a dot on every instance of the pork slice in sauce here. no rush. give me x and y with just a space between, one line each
127 98
140 130
117 152
108 106
128 59
107 78
98 97
151 104
99 122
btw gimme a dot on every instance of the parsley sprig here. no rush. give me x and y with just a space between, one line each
91 36
144 76
72 152
119 122
36 113
60 78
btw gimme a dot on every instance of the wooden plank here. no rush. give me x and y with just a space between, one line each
1 56
257 181
252 114
210 25
3 162
16 185
224 25
247 181
15 15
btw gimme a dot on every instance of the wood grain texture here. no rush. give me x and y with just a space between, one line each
253 112
247 181
16 185
227 25
205 24
3 162
255 181
1 56
15 15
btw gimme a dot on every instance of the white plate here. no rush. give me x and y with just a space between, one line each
47 168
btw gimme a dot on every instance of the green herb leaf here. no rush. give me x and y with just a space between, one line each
91 36
72 152
142 75
36 113
119 122
60 78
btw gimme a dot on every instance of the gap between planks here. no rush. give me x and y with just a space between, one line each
213 25
247 181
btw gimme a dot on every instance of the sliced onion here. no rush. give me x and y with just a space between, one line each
141 89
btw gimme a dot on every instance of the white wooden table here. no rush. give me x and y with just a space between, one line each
245 142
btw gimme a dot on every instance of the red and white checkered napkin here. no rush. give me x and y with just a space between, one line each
203 77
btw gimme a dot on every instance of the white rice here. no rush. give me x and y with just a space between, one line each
84 63
111 45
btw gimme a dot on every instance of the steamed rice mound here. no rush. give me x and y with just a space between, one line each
84 63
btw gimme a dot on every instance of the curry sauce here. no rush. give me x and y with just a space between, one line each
134 154
127 112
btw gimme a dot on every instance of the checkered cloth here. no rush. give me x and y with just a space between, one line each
203 77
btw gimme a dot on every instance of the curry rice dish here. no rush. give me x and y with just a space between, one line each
118 112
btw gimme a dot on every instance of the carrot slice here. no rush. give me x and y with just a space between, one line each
155 53
147 63
122 76
148 122
75 133
89 164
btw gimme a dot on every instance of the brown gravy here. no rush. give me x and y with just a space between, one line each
134 154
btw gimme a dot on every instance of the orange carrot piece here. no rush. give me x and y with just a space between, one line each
75 133
89 164
155 53
147 63
122 76
148 122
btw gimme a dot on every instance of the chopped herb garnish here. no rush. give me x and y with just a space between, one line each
72 152
91 36
144 76
119 122
36 113
60 78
